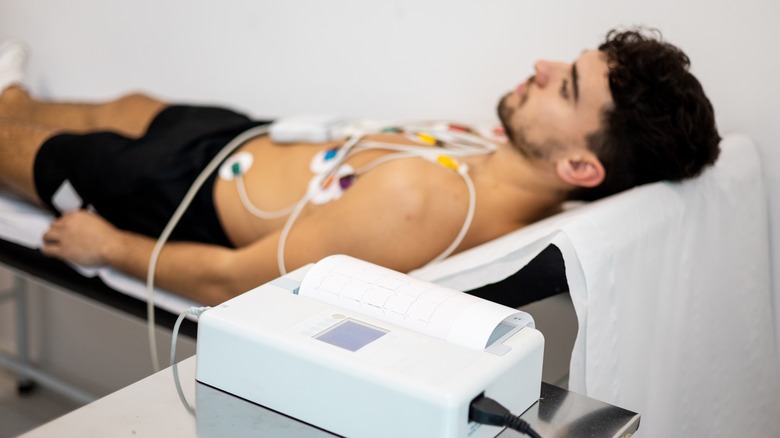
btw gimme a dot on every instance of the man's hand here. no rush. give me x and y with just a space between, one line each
79 237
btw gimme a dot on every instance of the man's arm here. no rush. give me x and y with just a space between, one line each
398 222
188 268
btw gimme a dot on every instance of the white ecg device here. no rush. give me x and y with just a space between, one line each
361 350
306 128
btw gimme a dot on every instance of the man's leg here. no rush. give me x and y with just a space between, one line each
26 123
129 115
19 143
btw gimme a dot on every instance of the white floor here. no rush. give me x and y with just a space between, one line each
21 413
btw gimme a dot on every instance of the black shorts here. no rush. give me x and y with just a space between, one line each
137 184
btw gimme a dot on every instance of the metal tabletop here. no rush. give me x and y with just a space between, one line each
172 403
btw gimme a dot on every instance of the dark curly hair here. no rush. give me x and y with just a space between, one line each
661 126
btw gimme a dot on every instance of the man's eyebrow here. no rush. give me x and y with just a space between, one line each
574 85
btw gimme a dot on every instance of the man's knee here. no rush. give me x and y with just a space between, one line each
139 104
14 94
132 113
14 101
19 145
136 98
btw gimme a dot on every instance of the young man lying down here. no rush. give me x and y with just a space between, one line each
627 113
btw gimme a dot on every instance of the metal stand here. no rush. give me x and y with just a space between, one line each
29 375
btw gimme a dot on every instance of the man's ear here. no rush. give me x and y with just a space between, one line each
581 171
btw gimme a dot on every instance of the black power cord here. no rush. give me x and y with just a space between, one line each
485 410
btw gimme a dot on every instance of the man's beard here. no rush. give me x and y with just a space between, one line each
517 137
505 113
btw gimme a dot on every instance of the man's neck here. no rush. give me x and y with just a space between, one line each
529 190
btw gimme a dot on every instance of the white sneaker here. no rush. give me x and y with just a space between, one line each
13 60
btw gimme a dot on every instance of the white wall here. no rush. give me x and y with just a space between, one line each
391 59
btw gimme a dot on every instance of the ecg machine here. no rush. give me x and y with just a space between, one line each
361 350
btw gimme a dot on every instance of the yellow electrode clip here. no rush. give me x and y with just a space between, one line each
427 138
447 162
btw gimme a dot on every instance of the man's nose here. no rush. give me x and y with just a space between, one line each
545 70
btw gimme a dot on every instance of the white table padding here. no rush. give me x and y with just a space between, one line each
23 224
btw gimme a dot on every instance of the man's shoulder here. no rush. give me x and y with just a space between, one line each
411 174
412 185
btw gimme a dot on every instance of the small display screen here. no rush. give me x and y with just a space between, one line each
351 335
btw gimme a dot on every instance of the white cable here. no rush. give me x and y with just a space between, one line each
174 220
425 150
343 153
286 231
182 398
404 151
197 311
443 132
262 214
341 156
463 172
305 199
